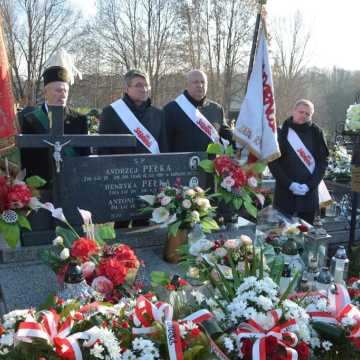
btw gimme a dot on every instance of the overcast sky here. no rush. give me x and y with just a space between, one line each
335 27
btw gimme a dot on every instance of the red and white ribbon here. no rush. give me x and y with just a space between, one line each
145 313
56 334
340 306
251 329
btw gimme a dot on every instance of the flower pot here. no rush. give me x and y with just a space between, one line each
172 243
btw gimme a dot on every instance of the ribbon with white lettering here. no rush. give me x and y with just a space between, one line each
135 126
308 160
198 118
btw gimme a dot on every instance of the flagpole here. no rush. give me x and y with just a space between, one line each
254 43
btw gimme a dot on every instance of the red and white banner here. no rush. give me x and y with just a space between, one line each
256 123
7 112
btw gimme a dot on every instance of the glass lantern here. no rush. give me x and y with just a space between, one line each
75 287
316 243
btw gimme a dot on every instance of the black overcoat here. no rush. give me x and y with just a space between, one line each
149 116
289 168
184 135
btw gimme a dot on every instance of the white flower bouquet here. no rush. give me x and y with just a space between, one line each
181 207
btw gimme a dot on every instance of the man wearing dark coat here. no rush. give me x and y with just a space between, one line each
301 167
134 114
187 134
34 120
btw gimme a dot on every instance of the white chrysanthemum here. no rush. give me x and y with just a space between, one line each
219 314
326 345
147 349
199 297
12 317
128 355
264 302
97 351
183 330
7 339
109 341
228 343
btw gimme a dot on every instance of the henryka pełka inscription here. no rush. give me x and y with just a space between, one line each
109 185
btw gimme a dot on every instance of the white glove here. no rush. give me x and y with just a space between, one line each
298 189
305 188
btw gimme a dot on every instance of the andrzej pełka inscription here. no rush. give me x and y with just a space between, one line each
109 186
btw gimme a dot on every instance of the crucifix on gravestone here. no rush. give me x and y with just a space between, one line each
58 141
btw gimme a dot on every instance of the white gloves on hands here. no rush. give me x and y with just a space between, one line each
298 189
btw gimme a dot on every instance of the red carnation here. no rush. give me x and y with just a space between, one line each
303 350
125 254
195 332
239 175
18 196
114 269
84 248
183 282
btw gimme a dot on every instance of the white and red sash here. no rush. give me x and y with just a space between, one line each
308 160
135 126
198 118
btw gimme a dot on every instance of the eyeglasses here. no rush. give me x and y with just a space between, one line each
141 86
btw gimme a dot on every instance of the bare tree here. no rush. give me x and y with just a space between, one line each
34 30
217 34
137 33
291 40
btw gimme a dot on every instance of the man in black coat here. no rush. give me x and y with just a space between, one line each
34 120
301 167
134 114
184 135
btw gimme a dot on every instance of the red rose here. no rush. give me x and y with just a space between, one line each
102 285
18 196
303 350
84 248
114 269
223 164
